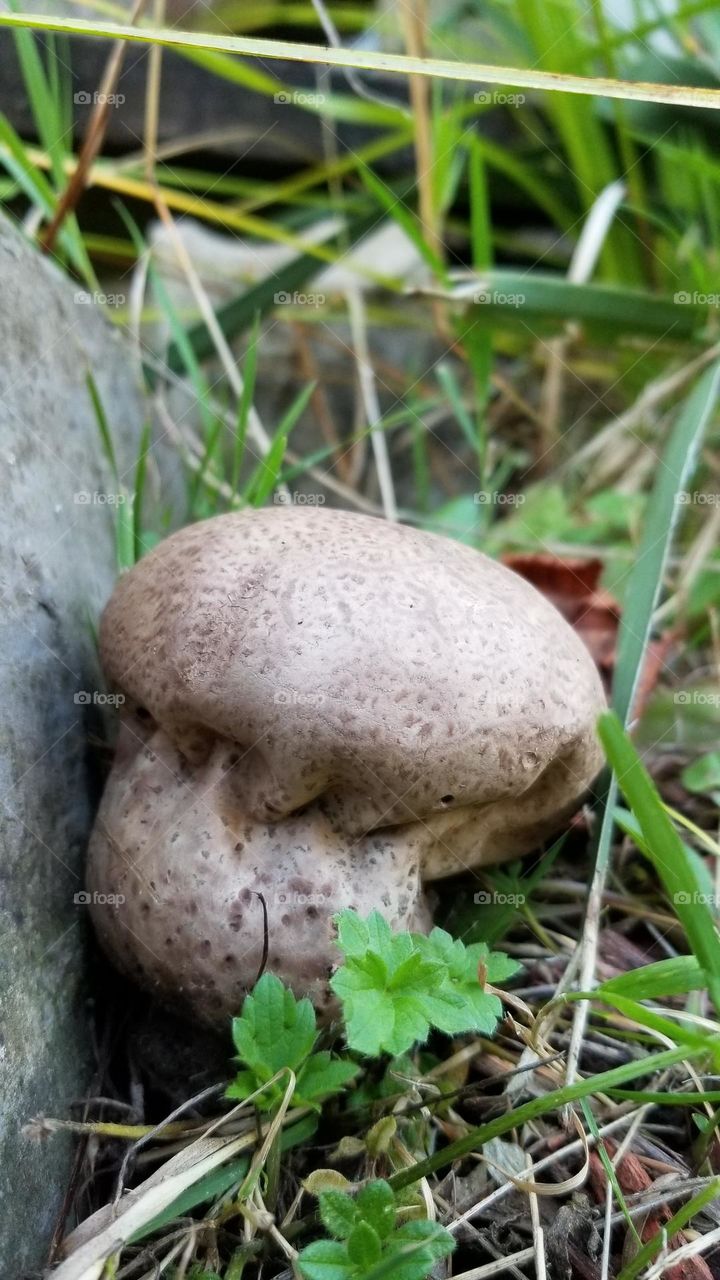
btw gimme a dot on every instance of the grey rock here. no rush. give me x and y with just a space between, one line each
57 567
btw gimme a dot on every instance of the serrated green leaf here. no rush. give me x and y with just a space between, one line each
380 935
441 945
395 994
322 1076
368 1245
352 933
325 1260
276 1031
243 1085
363 1245
376 1204
411 1025
428 1241
415 972
338 1213
500 967
456 1012
369 1020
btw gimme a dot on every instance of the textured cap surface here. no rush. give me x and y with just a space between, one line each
384 668
353 702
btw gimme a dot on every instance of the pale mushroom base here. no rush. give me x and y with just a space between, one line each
176 872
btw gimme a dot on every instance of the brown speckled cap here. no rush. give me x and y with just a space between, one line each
325 700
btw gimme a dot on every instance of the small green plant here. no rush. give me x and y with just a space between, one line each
368 1244
276 1031
396 987
703 776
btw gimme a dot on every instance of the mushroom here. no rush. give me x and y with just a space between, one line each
321 710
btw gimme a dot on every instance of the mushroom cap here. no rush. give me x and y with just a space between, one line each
394 672
319 696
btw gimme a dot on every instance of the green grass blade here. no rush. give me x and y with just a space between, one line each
472 73
140 477
103 426
213 1185
246 399
125 532
680 1219
665 849
608 1166
548 1103
673 977
676 467
34 184
665 1099
395 208
515 296
266 474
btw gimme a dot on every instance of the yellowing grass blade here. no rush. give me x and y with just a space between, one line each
367 60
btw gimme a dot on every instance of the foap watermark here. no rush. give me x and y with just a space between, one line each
84 99
493 498
496 298
294 499
289 898
696 698
295 698
298 98
83 498
498 98
695 899
696 498
85 299
495 898
684 298
285 299
94 698
86 899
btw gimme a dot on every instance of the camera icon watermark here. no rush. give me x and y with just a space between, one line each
298 98
294 698
294 499
697 498
695 899
83 298
83 498
84 99
496 898
685 298
498 98
86 899
97 699
492 497
289 898
696 698
496 298
284 299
